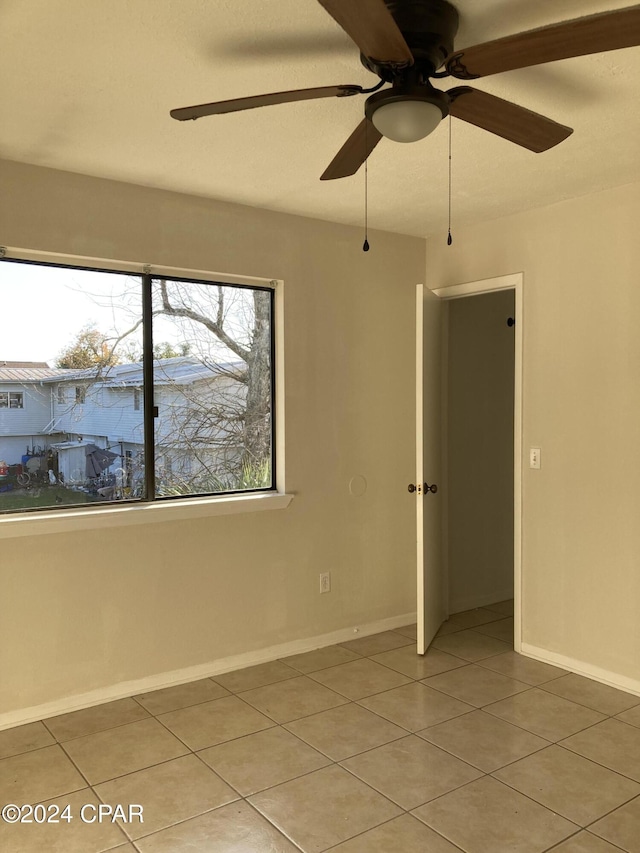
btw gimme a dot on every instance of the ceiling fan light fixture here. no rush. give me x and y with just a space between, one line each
407 121
407 116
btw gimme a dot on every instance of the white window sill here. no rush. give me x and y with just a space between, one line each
92 518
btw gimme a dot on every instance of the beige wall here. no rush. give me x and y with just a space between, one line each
91 609
479 493
581 534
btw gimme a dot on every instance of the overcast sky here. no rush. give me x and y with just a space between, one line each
42 309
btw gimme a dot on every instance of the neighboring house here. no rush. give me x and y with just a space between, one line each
65 410
25 407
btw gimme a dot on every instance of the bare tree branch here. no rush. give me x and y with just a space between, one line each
212 325
120 338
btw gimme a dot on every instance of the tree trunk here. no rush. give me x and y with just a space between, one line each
257 444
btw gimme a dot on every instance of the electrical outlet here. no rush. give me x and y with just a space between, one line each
325 582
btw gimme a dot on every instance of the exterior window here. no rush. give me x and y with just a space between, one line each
212 365
11 400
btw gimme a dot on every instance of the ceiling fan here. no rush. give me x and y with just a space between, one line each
406 42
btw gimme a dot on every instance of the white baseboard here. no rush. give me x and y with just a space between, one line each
458 605
125 689
580 667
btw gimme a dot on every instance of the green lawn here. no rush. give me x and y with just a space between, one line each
42 496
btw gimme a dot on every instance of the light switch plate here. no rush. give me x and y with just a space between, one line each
534 457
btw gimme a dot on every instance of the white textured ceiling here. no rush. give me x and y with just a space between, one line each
87 85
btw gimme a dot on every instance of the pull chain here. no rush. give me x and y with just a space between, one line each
449 237
365 245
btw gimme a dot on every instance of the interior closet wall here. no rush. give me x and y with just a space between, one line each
480 395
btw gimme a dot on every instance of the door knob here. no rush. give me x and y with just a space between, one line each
427 488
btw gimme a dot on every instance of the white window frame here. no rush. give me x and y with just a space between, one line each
159 512
8 395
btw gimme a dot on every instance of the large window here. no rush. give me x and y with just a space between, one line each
140 388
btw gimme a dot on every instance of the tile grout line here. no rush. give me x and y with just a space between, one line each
97 731
571 820
593 761
625 803
271 823
384 823
582 704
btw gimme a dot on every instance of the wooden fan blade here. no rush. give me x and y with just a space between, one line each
220 107
354 152
524 127
371 26
582 36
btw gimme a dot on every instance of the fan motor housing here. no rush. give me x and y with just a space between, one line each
429 28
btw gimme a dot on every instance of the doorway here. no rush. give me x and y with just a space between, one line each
482 448
457 567
479 394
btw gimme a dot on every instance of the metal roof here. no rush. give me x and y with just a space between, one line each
23 363
182 370
29 374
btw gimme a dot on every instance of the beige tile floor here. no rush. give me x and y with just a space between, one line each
359 748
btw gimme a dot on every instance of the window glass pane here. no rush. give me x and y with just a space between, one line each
72 387
212 387
70 360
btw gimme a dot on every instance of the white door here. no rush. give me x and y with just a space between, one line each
430 570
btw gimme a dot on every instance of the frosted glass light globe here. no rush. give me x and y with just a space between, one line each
407 120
